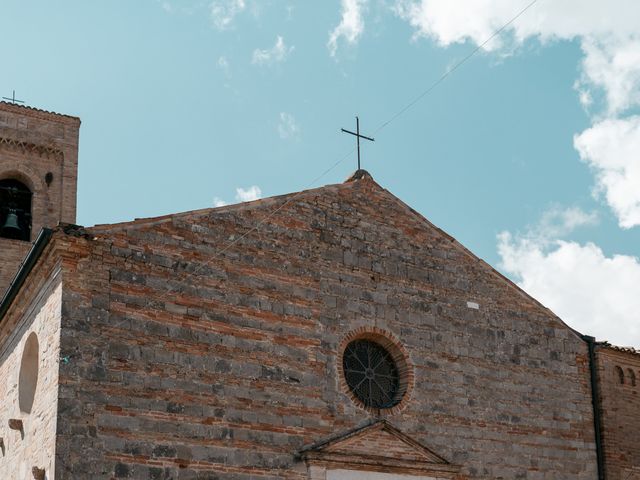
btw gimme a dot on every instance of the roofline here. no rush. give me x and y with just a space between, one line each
23 272
616 348
146 221
39 113
492 270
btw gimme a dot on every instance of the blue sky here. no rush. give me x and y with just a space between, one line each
183 103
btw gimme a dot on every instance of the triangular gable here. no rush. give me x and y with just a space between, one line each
265 211
377 447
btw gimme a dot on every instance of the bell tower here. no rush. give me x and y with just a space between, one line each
38 179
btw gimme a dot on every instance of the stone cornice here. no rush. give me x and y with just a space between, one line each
26 147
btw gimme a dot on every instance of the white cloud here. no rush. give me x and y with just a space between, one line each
593 293
612 149
223 12
248 194
609 35
176 7
350 27
242 195
584 287
223 64
278 53
476 20
584 95
218 202
287 127
614 67
289 9
558 222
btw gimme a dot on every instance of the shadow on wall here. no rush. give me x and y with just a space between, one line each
28 374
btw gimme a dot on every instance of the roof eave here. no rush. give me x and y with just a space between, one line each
23 272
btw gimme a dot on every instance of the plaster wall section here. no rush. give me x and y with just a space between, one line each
187 361
34 446
33 144
619 383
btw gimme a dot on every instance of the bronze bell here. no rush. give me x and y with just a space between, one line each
11 226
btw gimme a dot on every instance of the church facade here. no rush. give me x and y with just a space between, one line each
346 338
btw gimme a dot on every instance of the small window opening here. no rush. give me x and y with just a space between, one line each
632 377
15 210
620 375
28 373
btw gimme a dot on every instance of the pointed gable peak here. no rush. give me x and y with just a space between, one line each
360 174
378 444
377 438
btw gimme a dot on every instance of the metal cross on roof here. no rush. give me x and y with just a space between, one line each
13 98
358 136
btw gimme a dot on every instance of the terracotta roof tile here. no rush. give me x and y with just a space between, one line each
37 112
631 350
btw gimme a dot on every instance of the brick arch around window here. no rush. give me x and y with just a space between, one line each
398 352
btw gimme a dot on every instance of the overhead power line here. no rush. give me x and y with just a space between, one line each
453 69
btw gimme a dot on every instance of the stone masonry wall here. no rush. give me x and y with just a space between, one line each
619 383
35 445
191 358
32 144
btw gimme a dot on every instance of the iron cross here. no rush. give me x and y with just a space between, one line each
13 98
358 136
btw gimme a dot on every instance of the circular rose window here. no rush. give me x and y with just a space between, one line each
372 374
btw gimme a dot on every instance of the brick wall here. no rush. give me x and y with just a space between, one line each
619 384
189 364
32 144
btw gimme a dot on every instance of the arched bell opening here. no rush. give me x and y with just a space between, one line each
15 210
